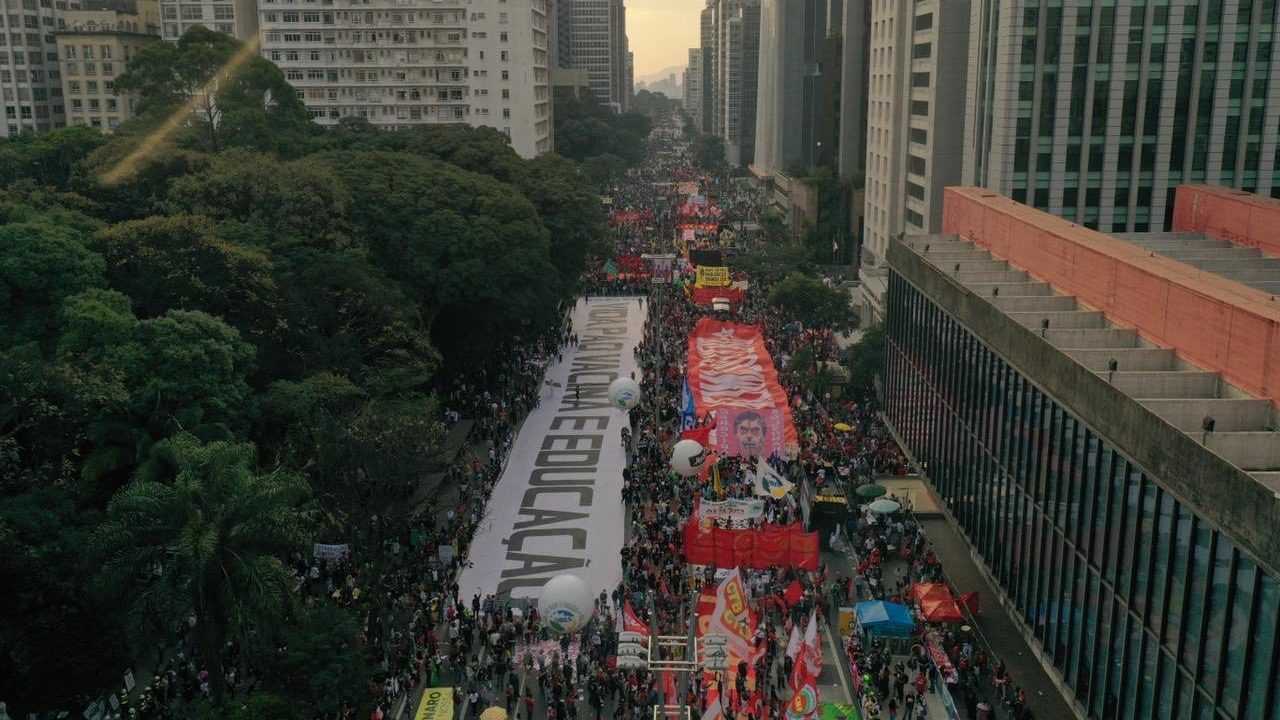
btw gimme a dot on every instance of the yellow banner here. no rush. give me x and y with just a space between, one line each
436 704
711 276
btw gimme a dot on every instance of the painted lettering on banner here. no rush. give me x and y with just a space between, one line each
730 372
556 508
712 276
734 513
436 704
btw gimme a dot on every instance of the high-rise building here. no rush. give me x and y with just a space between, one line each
237 18
97 43
1097 111
483 63
708 33
693 86
508 64
32 90
591 35
621 75
918 65
738 46
789 102
1097 416
851 111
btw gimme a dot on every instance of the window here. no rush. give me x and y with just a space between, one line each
104 52
224 12
502 37
924 22
506 94
921 51
506 56
919 135
192 12
506 75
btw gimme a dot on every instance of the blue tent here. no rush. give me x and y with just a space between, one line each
885 619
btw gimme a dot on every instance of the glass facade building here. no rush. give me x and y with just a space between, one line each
1144 608
1095 110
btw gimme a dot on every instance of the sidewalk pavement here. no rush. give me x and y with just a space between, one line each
842 563
994 623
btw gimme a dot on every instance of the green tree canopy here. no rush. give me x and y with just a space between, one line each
40 265
470 252
235 97
205 542
813 303
178 261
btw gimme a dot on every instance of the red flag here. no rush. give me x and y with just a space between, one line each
669 688
632 622
794 592
971 602
700 435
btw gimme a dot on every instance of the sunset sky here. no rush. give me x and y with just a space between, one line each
660 32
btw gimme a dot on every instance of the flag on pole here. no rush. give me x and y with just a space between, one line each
804 698
768 483
794 642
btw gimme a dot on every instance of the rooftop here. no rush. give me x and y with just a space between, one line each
1180 392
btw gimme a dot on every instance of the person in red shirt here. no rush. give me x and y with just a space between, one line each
528 705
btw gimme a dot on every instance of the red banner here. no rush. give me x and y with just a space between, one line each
768 547
705 295
773 547
730 371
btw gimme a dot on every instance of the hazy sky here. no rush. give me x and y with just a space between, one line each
660 32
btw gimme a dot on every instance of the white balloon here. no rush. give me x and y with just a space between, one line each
624 393
566 604
687 457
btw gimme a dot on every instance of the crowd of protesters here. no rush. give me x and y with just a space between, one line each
422 630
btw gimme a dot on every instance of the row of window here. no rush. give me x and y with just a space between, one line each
32 39
86 52
91 68
1144 608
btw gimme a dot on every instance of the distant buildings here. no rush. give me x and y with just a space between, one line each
693 86
483 63
591 35
789 101
93 49
33 100
738 78
237 18
1092 112
1114 105
915 125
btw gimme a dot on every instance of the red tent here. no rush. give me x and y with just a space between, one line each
937 603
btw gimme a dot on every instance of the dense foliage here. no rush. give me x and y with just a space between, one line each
813 302
588 132
216 334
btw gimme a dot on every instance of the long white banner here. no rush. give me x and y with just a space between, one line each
558 506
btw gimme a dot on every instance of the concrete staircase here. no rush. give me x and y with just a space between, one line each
1244 428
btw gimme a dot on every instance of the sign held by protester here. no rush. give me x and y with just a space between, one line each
436 704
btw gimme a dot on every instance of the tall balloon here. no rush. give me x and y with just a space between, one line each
624 393
687 457
566 604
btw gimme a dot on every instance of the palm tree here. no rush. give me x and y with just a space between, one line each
206 542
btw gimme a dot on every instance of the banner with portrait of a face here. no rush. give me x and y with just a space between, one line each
750 432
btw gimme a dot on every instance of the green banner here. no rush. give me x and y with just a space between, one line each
840 711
